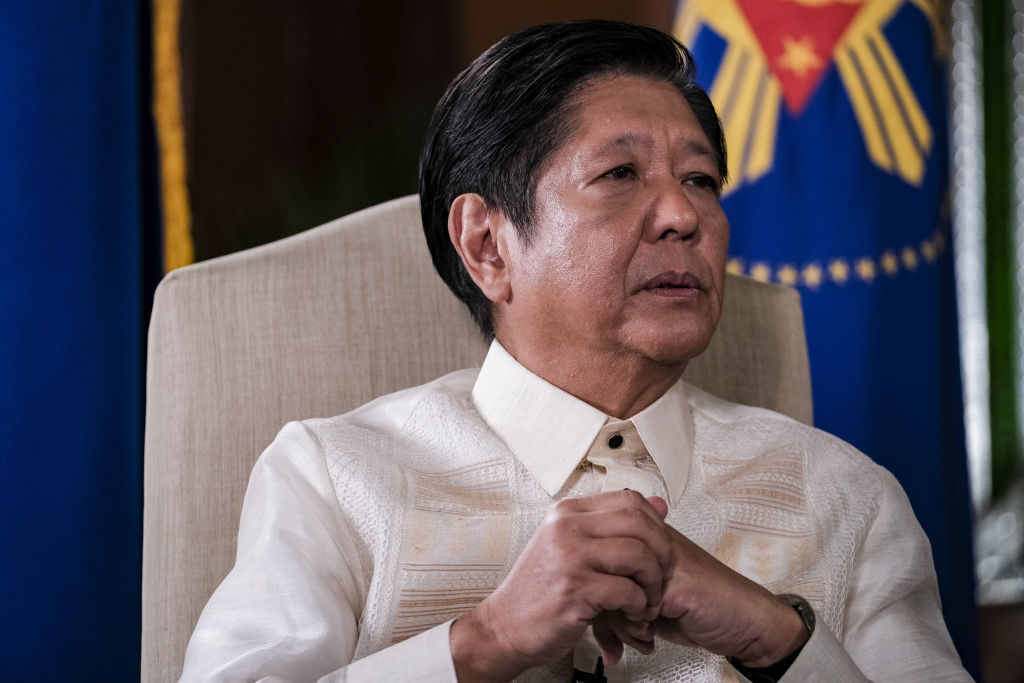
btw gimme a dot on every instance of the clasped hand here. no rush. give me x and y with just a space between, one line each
611 561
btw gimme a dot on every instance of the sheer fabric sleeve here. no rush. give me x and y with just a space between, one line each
894 627
894 630
289 609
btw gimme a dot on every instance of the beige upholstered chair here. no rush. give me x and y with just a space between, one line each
315 325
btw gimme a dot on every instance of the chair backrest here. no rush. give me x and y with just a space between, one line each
315 325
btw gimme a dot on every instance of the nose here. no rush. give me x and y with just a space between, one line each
671 213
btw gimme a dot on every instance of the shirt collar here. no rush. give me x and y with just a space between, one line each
550 430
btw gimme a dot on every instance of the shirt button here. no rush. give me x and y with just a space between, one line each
615 441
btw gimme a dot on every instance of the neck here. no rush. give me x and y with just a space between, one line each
619 386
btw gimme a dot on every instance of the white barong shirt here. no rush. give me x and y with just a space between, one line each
363 536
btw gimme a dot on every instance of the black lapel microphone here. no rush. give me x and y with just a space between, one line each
584 677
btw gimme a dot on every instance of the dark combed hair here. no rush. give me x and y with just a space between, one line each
503 117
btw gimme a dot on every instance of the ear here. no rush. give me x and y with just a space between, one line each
478 233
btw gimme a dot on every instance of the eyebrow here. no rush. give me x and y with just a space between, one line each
630 140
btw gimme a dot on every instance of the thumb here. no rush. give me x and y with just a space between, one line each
659 504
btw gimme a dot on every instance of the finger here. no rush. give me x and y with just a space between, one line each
659 505
608 593
635 630
626 557
620 522
644 647
638 635
624 498
611 647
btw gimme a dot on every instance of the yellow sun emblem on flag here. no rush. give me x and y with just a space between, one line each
776 55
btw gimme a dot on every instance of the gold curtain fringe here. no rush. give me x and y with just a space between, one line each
167 112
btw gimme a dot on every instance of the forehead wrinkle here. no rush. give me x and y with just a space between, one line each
629 140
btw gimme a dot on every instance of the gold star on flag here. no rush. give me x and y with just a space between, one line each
734 266
839 270
788 275
812 275
799 56
929 251
761 272
890 264
899 144
909 257
865 269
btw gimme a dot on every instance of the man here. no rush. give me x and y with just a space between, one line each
574 498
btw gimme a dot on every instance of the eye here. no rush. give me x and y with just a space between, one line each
704 181
623 172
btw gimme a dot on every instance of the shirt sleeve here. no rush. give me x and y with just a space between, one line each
823 659
894 630
289 609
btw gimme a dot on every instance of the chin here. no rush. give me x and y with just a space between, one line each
671 345
677 349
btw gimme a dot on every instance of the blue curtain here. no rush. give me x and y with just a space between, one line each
75 140
836 123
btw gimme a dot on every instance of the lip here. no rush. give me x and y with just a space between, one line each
673 284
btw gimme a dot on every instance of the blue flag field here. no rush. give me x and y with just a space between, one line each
835 117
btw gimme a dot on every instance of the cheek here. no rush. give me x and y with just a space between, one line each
716 247
589 260
603 280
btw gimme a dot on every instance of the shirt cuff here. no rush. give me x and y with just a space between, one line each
424 657
823 658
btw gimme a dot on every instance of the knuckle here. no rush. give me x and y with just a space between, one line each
560 517
632 551
636 516
637 598
634 498
560 509
562 524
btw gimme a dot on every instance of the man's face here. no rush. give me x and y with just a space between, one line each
627 257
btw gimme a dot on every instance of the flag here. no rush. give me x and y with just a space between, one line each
835 120
73 292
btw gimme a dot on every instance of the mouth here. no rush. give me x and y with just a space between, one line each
673 284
